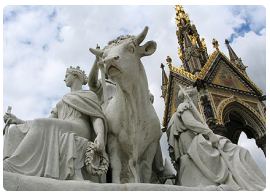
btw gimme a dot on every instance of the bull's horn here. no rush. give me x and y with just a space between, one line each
96 52
142 35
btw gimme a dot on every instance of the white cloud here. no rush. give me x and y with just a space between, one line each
253 15
33 76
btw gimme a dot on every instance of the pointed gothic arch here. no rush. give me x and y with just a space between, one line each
228 99
237 116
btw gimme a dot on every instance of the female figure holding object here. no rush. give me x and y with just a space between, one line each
202 158
54 147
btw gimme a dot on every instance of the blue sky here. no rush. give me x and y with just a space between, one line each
40 42
249 21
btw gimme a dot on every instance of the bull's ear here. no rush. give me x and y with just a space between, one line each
148 48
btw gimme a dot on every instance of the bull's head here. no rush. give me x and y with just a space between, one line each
122 56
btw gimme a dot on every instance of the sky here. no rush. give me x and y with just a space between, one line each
40 42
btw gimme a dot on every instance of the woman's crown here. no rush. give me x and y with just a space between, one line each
80 73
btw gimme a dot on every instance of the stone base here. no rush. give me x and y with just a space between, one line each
18 182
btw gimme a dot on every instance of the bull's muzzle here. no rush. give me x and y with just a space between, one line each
110 64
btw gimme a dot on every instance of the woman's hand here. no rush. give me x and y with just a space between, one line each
97 57
213 139
11 118
100 144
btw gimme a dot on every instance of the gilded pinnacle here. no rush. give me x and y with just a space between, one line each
181 14
215 44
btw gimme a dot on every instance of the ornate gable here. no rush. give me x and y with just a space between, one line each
227 98
225 76
222 73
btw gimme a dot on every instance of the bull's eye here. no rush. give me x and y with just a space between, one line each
131 48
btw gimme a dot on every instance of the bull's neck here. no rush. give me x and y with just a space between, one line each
137 85
134 95
134 102
136 91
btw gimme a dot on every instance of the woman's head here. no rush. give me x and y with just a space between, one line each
181 95
72 74
190 91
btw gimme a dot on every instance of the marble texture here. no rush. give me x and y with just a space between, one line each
203 158
134 128
55 147
18 182
51 153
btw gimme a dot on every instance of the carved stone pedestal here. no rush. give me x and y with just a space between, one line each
17 182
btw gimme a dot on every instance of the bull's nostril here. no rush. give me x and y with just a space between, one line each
116 58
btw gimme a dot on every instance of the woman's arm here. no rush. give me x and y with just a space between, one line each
98 126
193 124
53 113
12 119
93 74
93 81
196 126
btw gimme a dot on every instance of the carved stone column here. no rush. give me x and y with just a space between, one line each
207 108
261 143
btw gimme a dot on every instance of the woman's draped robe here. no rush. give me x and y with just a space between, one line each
199 164
47 147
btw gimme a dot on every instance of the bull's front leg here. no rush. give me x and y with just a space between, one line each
146 162
115 161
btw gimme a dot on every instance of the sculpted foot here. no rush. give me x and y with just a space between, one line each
77 175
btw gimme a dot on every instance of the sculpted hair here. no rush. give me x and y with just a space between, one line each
120 40
78 72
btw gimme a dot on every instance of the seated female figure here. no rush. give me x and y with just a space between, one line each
54 147
202 158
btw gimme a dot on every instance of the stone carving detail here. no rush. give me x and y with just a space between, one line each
202 158
54 147
217 98
207 108
232 99
114 127
134 128
96 163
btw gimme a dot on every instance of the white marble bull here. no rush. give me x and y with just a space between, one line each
134 128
